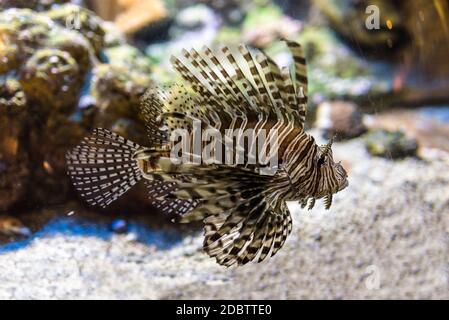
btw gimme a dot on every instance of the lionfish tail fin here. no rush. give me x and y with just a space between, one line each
102 167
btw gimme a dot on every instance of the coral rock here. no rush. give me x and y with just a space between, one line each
82 20
53 79
75 44
49 146
231 11
349 19
14 166
390 144
14 176
113 36
264 35
22 32
12 97
37 5
9 51
128 56
49 106
118 91
340 118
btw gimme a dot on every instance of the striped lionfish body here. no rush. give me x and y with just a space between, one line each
231 92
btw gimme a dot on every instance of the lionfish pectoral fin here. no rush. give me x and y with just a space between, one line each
242 235
192 216
240 225
102 167
161 197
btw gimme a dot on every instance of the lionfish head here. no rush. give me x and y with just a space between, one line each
333 177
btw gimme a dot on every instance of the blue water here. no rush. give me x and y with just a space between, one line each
438 113
70 226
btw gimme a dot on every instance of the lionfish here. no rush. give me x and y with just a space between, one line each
244 212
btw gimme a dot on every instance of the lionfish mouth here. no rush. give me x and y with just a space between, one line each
344 185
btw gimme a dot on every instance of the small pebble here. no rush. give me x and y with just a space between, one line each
119 226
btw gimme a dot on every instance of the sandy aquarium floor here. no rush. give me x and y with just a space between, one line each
386 236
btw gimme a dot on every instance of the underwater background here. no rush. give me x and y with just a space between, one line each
378 77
